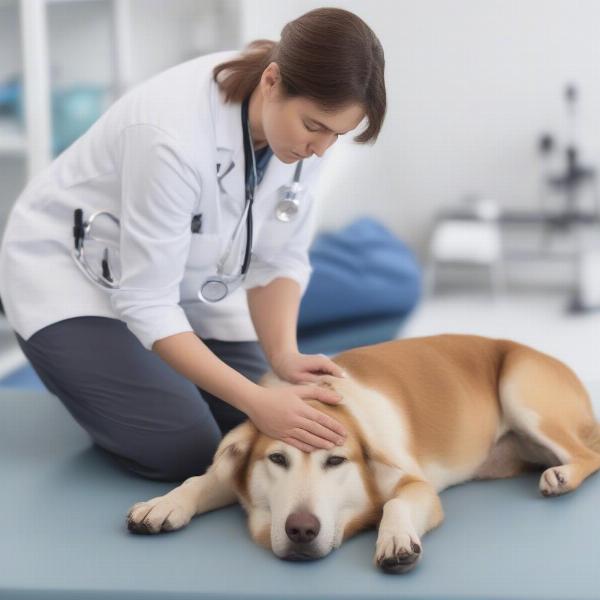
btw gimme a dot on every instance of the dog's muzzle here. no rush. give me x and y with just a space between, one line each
302 529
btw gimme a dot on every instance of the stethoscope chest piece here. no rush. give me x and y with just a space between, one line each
289 197
288 202
213 290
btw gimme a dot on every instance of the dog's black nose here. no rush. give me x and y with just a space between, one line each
302 527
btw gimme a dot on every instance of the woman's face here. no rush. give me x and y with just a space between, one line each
296 127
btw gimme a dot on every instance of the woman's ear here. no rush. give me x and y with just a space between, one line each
270 80
231 456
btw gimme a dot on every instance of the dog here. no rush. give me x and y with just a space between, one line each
422 414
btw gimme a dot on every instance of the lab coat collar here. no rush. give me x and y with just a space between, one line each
230 145
230 149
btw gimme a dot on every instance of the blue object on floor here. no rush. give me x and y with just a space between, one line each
365 282
336 337
24 378
64 535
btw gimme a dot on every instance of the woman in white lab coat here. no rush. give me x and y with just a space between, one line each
197 167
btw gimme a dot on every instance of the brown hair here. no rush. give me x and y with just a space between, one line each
328 55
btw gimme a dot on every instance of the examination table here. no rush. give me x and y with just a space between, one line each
63 505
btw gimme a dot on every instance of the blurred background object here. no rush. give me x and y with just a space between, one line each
74 109
565 225
485 171
467 236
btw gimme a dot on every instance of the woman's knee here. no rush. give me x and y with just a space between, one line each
174 458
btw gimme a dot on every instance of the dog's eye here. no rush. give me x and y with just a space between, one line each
334 461
278 459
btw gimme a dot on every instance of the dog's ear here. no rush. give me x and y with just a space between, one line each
377 461
233 452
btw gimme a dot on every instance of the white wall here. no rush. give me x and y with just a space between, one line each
471 84
163 33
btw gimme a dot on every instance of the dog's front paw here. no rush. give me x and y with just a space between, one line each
397 553
156 515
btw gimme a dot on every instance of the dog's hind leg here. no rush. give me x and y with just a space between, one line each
580 464
548 408
414 510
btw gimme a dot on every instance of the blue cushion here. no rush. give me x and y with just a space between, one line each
360 272
64 502
336 337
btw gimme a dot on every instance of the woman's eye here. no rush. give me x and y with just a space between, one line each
310 129
334 461
278 459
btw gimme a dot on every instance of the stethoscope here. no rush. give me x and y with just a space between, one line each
82 230
215 287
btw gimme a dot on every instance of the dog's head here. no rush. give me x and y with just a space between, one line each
300 505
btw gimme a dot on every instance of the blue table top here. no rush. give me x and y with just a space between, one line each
64 534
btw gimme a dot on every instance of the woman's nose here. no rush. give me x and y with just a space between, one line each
318 147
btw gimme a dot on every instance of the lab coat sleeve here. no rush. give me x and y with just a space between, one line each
158 193
282 250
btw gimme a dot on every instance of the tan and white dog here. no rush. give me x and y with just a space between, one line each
421 414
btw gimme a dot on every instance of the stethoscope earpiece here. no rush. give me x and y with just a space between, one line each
83 229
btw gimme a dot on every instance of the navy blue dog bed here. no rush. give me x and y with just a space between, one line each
365 283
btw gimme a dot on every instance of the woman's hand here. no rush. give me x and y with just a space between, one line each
281 413
301 368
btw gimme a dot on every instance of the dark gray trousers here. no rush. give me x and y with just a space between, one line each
145 415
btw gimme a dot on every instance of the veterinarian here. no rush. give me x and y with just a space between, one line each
153 272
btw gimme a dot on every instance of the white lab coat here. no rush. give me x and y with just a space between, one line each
151 159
